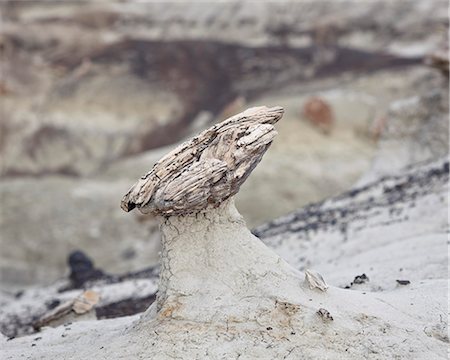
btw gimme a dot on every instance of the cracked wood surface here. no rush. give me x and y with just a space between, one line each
207 169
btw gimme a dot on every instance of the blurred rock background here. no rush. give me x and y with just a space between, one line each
93 94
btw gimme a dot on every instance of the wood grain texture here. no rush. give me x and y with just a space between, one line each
207 169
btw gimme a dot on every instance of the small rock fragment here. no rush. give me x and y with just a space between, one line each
315 280
324 315
360 279
80 305
56 313
403 282
85 302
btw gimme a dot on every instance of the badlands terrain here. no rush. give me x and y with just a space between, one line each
93 96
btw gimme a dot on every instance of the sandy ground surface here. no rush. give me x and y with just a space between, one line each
392 231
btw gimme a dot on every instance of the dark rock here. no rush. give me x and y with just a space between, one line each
82 269
124 308
52 304
403 282
360 279
324 314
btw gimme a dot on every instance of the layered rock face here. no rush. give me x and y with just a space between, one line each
85 85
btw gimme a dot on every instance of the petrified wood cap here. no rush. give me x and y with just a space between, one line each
207 169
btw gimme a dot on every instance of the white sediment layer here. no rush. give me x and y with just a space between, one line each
225 295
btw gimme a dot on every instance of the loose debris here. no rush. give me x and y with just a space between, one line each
359 279
315 280
85 302
324 315
82 304
403 282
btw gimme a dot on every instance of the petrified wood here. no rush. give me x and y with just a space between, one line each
207 169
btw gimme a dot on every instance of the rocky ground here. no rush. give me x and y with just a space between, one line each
384 242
